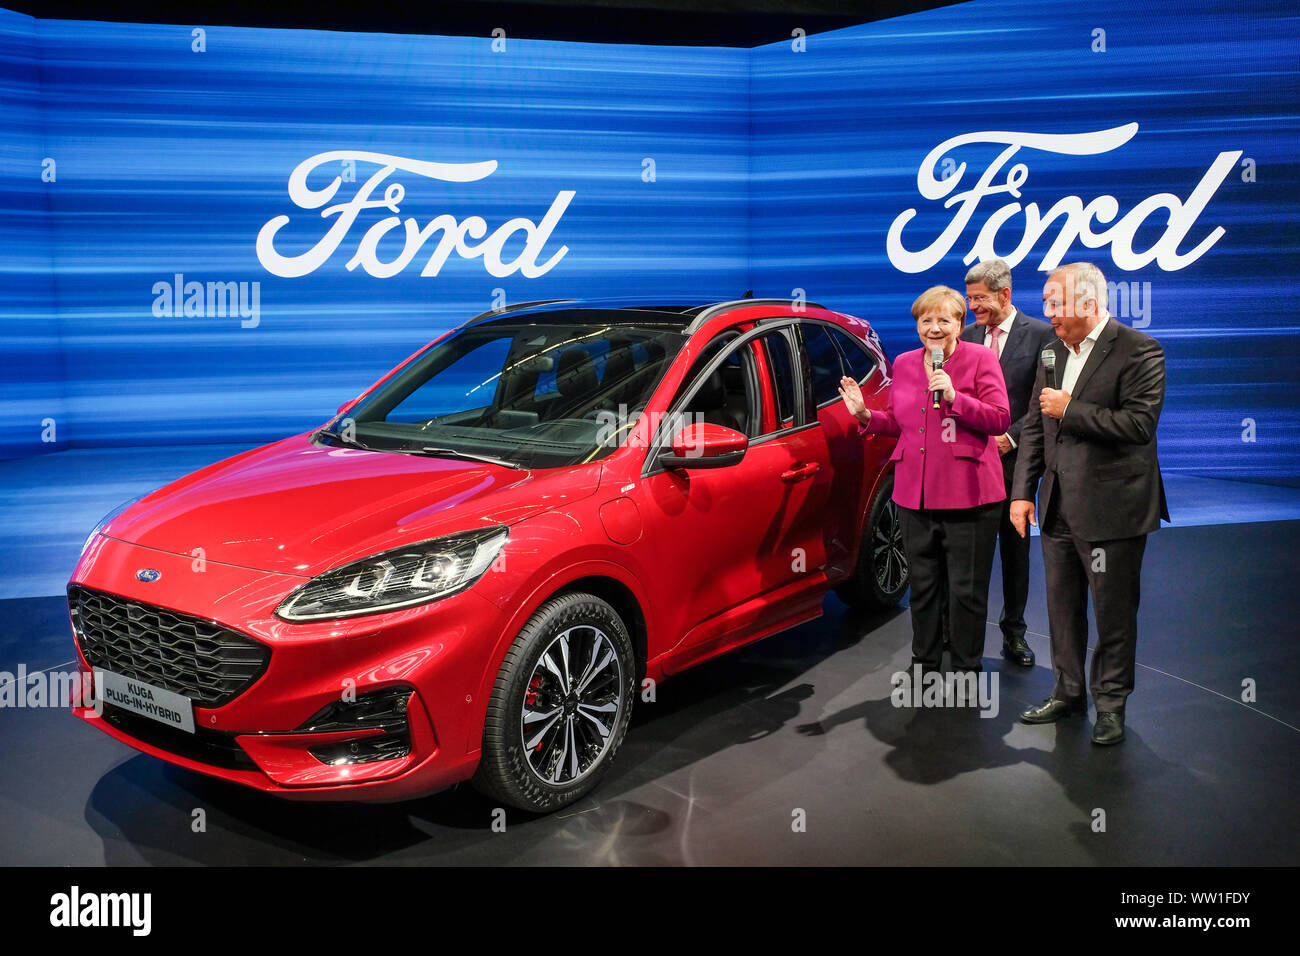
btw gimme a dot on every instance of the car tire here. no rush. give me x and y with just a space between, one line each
560 705
881 577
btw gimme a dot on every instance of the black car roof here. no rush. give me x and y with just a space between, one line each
685 315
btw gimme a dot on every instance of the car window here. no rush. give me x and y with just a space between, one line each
716 345
469 382
780 365
535 395
578 367
857 359
825 364
727 396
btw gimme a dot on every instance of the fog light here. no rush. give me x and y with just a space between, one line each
383 710
366 750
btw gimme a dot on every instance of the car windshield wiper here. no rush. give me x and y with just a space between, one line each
345 442
454 453
429 450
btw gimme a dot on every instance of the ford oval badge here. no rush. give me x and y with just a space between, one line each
148 575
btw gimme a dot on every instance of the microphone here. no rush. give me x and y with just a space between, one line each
1048 358
936 359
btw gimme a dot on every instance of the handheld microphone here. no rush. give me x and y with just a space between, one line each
1048 359
936 359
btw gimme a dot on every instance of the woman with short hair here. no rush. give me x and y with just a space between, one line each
948 481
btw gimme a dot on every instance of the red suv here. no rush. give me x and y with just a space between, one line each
474 568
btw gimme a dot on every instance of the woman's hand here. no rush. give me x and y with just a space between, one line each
940 382
852 395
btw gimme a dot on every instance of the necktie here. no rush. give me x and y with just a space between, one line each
993 342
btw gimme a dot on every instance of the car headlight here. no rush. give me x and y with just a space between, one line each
109 517
403 577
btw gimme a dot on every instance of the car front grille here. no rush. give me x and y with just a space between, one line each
208 663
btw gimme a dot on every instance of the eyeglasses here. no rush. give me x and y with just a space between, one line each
980 299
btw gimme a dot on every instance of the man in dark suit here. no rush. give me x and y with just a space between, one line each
1018 340
1093 444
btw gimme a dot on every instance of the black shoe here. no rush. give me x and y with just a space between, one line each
1109 728
1052 710
1015 649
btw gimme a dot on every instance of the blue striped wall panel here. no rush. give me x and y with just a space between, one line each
692 171
33 415
171 161
842 129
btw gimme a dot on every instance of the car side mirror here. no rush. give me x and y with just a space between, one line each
704 445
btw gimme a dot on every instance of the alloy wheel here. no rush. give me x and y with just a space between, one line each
572 705
889 559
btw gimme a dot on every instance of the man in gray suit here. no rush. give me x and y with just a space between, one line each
1018 340
1093 444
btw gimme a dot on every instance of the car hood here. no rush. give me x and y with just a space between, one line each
295 507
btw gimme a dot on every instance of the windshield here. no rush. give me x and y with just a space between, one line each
527 396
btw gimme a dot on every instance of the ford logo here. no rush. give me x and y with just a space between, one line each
148 575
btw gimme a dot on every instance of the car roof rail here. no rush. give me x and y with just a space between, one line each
710 311
518 306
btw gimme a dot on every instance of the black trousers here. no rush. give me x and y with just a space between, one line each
953 547
1111 571
1014 552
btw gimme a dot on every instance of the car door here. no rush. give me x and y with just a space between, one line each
741 545
796 431
831 354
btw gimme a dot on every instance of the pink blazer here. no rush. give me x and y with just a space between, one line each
946 458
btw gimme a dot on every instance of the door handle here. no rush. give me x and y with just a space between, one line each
800 472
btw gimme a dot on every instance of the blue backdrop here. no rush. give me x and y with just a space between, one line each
841 131
172 151
143 162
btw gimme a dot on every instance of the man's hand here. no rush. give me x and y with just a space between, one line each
852 395
1004 444
1022 512
1053 401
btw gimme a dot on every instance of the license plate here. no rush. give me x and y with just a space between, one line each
156 703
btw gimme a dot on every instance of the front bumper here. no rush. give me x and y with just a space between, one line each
264 737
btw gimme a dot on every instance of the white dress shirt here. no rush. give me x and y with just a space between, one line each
1074 362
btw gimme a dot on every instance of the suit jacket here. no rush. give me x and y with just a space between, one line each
1025 342
946 458
1099 460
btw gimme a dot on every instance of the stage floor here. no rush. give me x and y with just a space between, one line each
789 752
